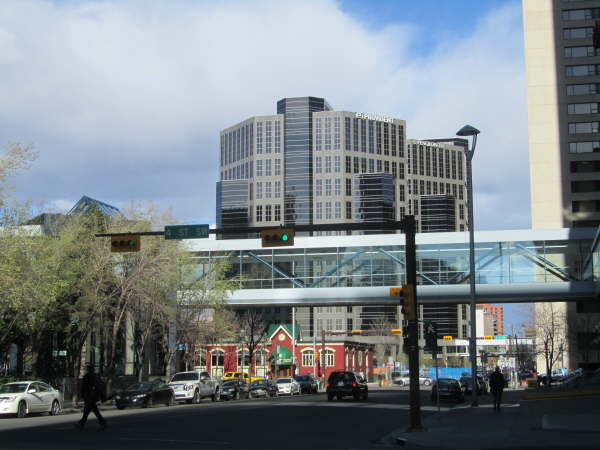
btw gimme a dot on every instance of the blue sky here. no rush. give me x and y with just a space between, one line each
124 100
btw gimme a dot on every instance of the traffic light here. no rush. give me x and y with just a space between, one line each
125 243
409 307
396 331
277 237
431 336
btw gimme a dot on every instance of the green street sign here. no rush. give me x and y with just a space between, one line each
186 232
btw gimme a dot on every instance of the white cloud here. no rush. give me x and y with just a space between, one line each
125 100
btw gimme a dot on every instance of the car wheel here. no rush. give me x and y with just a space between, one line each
427 383
237 395
339 397
365 396
356 396
196 398
216 396
171 401
22 410
149 402
329 397
55 409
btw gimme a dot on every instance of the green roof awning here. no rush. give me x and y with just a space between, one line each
283 357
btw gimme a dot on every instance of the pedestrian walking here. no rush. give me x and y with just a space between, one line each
497 386
92 391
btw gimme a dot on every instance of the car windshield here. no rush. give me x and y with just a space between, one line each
229 383
13 388
340 375
140 387
446 383
302 378
258 383
465 380
283 381
189 376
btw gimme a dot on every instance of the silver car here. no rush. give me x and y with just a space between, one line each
25 397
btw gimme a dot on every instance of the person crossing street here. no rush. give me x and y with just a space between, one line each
92 391
496 387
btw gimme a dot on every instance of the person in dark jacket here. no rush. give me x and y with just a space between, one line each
92 391
496 387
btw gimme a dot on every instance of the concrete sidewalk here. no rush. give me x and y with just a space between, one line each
548 423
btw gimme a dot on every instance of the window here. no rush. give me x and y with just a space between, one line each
379 166
421 187
259 167
259 138
251 169
268 137
347 133
338 187
217 358
355 134
401 173
243 359
585 186
435 188
584 147
583 127
318 135
328 164
586 206
386 166
371 165
319 210
329 356
348 210
461 213
328 187
268 168
278 136
428 187
582 71
336 142
371 137
338 210
348 187
386 139
464 332
328 133
582 108
579 52
278 189
250 191
259 213
328 210
308 358
348 164
402 194
268 189
585 166
319 188
268 213
337 164
394 147
339 324
259 191
363 135
277 167
318 165
582 89
277 217
355 165
363 165
581 14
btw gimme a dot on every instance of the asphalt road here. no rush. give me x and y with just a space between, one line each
299 422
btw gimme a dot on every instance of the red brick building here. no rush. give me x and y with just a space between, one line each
498 312
274 357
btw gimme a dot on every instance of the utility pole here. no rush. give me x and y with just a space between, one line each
413 324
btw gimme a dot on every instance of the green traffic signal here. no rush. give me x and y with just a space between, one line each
284 237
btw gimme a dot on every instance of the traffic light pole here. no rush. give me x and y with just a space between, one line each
413 326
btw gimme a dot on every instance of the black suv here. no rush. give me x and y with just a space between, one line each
307 384
344 384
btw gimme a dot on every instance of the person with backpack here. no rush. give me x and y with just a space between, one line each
92 391
496 387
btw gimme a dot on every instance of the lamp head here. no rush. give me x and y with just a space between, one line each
468 130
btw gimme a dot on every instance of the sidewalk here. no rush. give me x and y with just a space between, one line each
70 408
544 423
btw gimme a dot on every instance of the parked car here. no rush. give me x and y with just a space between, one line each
234 375
307 384
263 388
145 395
467 385
448 388
287 386
25 397
191 387
344 384
234 389
400 378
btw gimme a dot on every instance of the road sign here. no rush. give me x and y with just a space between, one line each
173 232
447 338
500 337
125 243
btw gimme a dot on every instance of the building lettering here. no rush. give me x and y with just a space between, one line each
374 117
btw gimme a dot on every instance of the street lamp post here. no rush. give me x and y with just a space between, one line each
468 130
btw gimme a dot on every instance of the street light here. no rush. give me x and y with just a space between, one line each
468 130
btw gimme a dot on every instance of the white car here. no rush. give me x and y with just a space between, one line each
24 397
287 386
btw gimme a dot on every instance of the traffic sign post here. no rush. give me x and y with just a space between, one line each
178 232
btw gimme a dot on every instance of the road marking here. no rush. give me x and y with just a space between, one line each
182 441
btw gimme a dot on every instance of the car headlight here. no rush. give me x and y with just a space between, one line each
139 396
117 397
188 387
9 399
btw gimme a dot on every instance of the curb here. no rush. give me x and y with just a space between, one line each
547 395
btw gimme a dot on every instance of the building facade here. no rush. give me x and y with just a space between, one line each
563 82
497 312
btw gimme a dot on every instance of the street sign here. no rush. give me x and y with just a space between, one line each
500 337
173 232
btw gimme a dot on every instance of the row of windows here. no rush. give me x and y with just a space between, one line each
332 210
431 161
582 70
354 164
328 191
583 127
236 144
582 108
585 186
584 147
268 143
582 89
422 187
267 168
328 167
323 135
378 137
578 33
582 51
271 213
581 14
267 190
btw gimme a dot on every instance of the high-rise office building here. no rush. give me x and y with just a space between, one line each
310 164
563 94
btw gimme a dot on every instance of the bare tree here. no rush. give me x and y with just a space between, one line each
551 332
252 332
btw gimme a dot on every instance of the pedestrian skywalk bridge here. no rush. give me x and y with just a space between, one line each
510 266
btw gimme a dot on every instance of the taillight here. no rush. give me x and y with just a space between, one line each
354 385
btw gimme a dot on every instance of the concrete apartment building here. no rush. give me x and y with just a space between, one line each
311 164
563 94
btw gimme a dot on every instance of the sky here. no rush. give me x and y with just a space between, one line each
124 100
